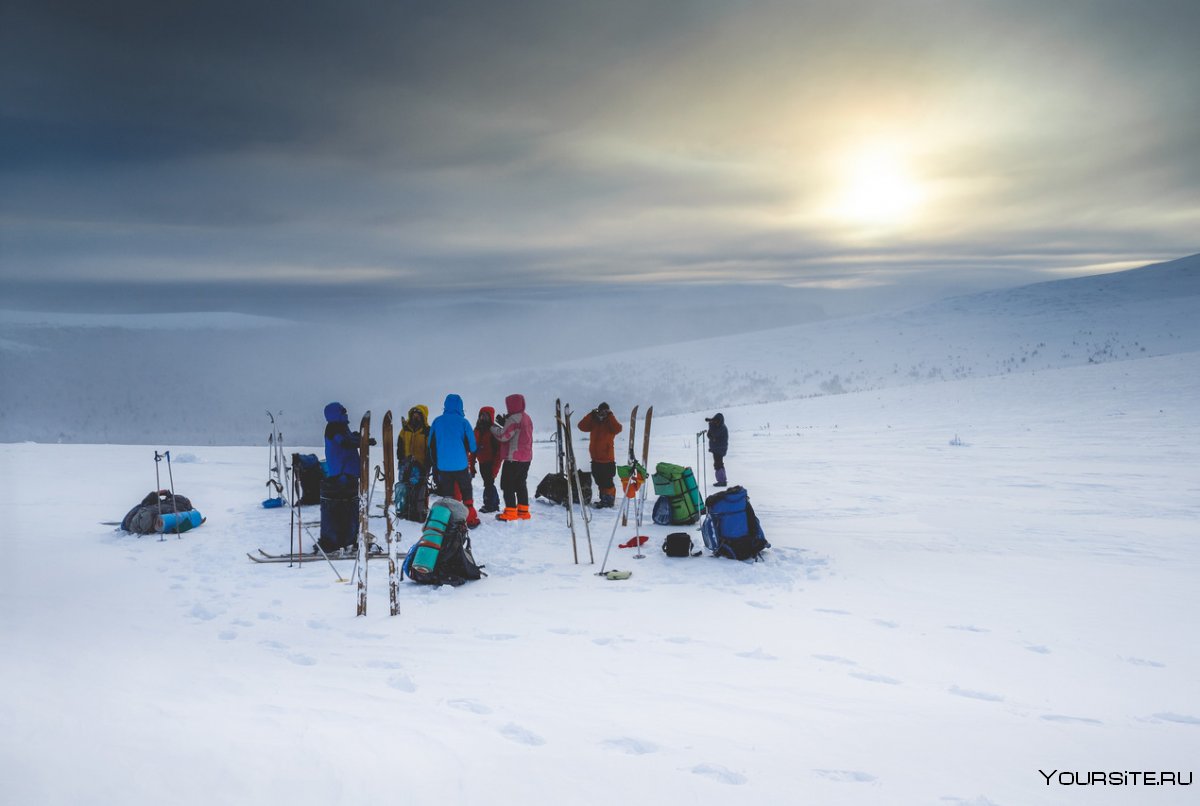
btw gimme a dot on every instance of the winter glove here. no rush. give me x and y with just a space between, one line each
500 418
372 441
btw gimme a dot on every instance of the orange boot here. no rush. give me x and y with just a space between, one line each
509 514
523 512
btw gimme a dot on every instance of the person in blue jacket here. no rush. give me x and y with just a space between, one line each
451 442
718 445
341 444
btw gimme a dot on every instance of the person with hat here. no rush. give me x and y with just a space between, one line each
718 445
603 427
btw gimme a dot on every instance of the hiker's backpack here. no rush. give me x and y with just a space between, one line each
553 488
678 485
410 495
308 468
147 518
679 544
442 555
731 529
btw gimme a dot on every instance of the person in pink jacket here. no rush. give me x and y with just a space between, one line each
514 430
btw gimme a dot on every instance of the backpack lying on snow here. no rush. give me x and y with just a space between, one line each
731 528
442 555
679 544
157 513
553 488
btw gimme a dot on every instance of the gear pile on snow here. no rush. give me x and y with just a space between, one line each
160 512
442 555
679 502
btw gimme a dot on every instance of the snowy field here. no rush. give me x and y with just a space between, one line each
935 623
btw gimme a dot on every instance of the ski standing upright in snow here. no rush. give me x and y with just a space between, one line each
389 479
573 479
641 503
562 469
364 505
632 437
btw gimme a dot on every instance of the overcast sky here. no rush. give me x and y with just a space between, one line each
350 149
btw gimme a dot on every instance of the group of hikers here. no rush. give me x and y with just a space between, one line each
497 445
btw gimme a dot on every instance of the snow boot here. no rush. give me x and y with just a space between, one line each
720 482
523 512
491 500
509 514
608 497
472 518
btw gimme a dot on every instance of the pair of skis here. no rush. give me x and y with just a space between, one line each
633 456
566 462
364 493
634 485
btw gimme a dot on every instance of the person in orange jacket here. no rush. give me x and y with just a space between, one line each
603 427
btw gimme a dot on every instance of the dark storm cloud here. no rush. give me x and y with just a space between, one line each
393 145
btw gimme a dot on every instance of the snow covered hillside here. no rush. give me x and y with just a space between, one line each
1154 310
206 379
970 582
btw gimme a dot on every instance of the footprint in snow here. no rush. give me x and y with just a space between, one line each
1038 648
1181 719
836 659
273 644
833 612
565 631
201 612
975 695
498 636
757 654
300 659
474 706
719 773
402 682
1143 662
876 678
891 625
521 735
966 628
761 605
847 776
632 746
1064 718
227 635
268 616
316 624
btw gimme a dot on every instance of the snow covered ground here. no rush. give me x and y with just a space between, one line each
935 623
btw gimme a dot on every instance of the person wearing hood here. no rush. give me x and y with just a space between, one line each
413 440
718 445
514 431
451 443
486 459
339 490
602 428
341 444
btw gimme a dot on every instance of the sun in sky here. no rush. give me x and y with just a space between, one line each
875 188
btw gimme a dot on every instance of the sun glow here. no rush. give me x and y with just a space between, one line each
876 189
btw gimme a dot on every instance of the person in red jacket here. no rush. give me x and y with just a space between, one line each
603 427
486 459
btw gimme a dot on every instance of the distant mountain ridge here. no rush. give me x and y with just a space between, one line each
190 379
1138 313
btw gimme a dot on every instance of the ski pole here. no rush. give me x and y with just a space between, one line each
331 565
158 490
616 523
174 505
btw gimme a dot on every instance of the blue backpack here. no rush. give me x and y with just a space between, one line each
731 529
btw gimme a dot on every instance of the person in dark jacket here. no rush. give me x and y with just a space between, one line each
451 442
486 459
341 444
718 445
602 427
